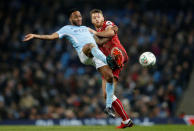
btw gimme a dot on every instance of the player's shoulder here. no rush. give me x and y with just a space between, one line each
83 26
108 23
66 27
72 27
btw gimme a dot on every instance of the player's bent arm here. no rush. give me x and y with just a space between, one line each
101 41
44 37
109 32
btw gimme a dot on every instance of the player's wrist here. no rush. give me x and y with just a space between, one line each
35 36
95 32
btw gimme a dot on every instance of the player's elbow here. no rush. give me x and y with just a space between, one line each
54 36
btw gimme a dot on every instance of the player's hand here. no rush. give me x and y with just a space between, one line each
28 37
115 28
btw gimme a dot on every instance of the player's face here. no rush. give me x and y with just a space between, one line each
76 18
97 19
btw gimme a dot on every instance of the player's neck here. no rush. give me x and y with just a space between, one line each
99 27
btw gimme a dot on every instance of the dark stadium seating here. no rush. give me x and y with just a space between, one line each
45 79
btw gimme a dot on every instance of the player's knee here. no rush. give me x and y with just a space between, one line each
109 78
91 45
88 46
87 49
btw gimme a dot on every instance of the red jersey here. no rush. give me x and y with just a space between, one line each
114 42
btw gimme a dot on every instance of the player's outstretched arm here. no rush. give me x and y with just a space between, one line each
44 37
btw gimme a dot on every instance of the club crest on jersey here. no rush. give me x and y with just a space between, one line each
108 23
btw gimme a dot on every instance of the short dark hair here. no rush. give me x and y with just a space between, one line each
71 11
95 11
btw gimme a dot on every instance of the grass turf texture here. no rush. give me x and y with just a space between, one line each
97 128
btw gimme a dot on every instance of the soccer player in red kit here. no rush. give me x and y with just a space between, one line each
112 47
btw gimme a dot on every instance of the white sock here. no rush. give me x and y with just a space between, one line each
114 98
109 94
126 121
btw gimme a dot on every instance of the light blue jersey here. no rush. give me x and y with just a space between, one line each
77 35
80 36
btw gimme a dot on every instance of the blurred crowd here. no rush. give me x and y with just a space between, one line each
45 79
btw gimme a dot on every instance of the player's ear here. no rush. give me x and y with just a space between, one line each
102 17
70 20
91 18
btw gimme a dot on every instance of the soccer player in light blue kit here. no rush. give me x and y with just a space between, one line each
87 50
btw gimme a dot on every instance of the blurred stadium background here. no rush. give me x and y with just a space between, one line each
45 80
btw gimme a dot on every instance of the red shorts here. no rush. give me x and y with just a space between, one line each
116 72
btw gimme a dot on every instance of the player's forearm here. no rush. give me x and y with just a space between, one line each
44 37
101 41
108 33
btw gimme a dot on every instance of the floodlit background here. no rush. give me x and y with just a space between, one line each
45 79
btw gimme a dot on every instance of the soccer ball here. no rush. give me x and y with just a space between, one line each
147 59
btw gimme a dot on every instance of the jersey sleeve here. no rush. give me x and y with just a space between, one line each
109 23
92 34
62 32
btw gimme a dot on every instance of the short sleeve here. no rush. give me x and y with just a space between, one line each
92 34
62 32
109 23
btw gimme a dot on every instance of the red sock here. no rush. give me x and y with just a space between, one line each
118 107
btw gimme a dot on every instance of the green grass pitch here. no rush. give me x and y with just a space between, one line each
97 128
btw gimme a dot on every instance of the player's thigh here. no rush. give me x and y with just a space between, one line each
87 49
106 72
98 63
91 61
